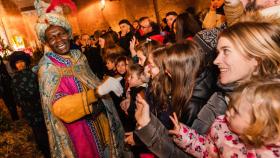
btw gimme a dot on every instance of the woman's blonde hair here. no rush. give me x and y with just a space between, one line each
263 97
259 40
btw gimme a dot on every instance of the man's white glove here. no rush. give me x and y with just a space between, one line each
232 2
110 84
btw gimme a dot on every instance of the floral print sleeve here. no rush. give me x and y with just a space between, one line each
191 142
221 142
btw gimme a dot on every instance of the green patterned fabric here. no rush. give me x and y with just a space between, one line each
49 78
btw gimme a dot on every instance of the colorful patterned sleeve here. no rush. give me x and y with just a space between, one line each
191 142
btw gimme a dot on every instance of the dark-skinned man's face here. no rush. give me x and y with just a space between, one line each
58 40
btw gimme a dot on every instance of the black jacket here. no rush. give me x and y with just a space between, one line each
125 42
204 87
216 106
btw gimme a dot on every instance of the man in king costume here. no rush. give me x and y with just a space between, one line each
80 117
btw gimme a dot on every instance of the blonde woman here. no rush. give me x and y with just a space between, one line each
246 50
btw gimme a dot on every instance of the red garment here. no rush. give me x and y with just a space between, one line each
189 38
55 3
146 155
158 38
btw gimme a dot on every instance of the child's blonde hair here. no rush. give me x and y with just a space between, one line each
263 97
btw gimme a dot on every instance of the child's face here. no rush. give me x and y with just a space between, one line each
170 19
134 80
20 65
217 3
121 67
110 65
151 69
239 117
142 57
135 25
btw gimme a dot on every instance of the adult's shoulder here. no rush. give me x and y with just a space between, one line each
77 55
45 67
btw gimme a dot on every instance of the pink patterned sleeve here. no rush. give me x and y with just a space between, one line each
193 143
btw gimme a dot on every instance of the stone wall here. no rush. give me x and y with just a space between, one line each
89 17
11 21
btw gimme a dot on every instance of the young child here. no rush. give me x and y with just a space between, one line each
121 65
26 92
111 65
137 85
112 61
251 127
121 71
143 50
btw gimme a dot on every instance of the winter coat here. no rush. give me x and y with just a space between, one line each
216 106
156 137
205 86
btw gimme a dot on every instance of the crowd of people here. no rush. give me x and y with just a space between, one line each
195 86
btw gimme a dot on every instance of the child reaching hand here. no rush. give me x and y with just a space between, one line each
137 85
250 128
136 80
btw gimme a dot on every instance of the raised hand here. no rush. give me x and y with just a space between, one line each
132 45
142 112
177 126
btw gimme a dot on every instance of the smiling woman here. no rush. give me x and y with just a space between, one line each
246 50
230 62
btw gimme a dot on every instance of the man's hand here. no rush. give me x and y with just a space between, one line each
110 84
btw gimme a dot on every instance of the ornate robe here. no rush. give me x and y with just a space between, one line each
95 135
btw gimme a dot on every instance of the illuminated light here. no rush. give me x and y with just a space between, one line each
102 4
18 42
